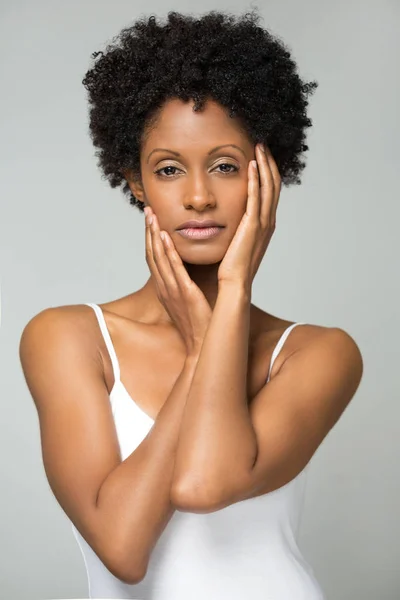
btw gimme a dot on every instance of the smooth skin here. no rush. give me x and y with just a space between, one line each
234 445
177 291
198 294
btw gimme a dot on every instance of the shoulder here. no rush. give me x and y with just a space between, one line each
334 341
67 324
329 360
59 345
268 329
267 325
305 338
322 366
327 371
72 314
340 346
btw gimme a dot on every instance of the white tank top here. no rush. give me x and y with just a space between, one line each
247 550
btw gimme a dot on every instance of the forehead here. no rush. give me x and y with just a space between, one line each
180 125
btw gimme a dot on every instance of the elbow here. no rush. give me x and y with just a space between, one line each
126 567
126 574
192 499
132 578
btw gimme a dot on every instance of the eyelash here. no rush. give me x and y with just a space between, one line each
235 169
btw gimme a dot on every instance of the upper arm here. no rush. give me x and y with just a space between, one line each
292 414
63 370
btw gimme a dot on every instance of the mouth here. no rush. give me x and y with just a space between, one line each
200 233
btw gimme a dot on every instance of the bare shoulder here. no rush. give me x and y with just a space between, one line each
58 331
53 320
302 337
267 325
67 312
338 345
64 373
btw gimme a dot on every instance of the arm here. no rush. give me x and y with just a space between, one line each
120 507
217 440
230 449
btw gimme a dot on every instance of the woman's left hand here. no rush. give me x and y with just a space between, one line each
252 237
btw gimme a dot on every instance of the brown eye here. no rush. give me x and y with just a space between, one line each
234 167
159 172
163 169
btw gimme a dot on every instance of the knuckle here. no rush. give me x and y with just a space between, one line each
190 289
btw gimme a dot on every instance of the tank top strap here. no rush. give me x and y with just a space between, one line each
280 343
107 339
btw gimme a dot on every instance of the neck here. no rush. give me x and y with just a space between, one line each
204 276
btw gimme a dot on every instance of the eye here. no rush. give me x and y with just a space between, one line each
163 169
234 167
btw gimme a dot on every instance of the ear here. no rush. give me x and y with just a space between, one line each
135 185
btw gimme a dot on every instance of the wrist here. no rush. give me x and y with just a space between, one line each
193 356
239 289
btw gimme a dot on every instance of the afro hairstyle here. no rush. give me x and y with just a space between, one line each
232 60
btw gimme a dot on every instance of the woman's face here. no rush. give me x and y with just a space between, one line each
201 172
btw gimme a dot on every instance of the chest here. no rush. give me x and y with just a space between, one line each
151 364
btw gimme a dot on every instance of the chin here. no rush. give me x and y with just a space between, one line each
201 262
195 258
200 252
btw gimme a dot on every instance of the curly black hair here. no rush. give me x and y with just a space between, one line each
229 59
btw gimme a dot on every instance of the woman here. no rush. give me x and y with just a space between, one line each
177 422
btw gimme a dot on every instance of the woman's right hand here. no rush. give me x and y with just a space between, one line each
181 297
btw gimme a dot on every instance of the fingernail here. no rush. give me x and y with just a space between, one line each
262 147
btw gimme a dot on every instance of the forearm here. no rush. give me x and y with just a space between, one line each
217 439
135 499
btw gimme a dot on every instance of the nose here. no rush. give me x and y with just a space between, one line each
198 196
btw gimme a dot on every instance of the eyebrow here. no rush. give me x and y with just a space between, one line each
210 152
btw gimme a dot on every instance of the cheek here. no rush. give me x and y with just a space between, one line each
239 203
164 214
235 193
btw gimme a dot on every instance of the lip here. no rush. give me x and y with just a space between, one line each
198 224
200 233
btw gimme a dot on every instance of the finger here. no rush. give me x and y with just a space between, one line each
274 170
150 258
161 260
181 274
267 188
253 192
277 179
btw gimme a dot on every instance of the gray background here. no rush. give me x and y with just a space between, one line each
68 238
